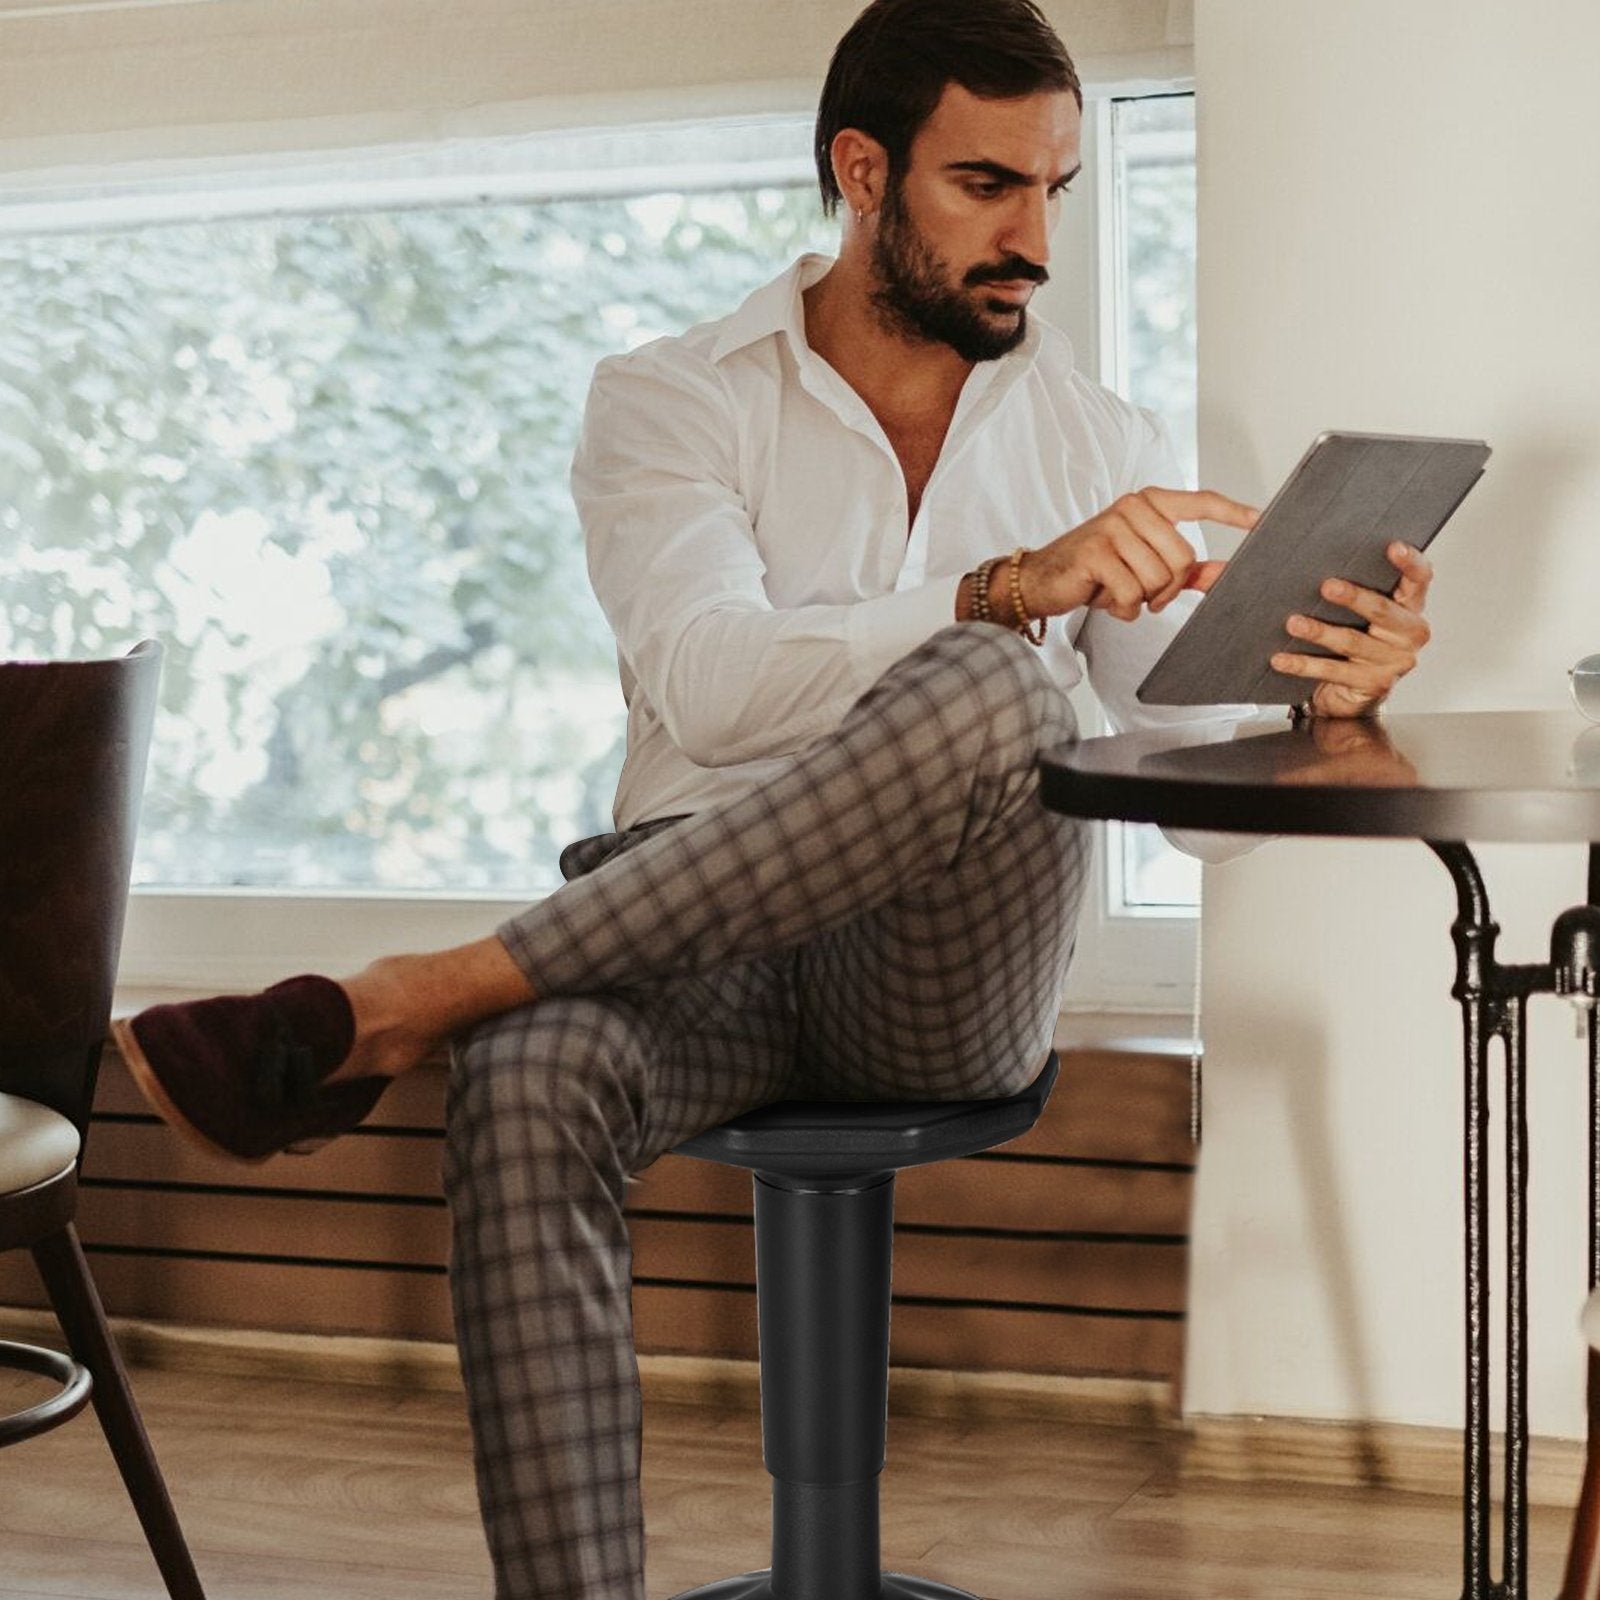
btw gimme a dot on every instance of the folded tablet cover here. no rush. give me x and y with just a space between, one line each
1350 497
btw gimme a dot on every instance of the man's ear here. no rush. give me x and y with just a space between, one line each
860 168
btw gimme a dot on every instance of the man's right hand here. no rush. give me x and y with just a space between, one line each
1130 556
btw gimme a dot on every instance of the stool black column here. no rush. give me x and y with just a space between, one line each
824 1205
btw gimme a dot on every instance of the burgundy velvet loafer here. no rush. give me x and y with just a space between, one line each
242 1075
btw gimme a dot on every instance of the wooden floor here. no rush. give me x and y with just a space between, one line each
295 1491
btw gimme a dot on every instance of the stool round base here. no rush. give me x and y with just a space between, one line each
758 1586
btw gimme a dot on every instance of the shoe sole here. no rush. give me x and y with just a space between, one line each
151 1087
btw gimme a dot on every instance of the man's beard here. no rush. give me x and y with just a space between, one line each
914 299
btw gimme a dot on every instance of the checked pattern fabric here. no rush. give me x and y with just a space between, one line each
890 917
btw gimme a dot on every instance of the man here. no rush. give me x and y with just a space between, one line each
827 532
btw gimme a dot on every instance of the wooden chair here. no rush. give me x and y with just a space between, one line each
1582 1580
73 738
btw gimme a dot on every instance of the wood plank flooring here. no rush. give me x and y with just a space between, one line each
308 1491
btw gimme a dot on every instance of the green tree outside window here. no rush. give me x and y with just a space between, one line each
324 459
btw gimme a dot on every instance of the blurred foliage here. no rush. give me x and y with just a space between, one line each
1155 143
324 459
1155 139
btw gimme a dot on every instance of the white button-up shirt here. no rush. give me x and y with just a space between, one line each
746 524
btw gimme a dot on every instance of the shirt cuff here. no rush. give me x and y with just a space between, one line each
1213 848
882 630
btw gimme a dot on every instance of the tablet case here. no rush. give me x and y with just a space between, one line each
1349 498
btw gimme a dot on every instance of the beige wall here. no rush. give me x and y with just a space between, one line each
87 83
1400 230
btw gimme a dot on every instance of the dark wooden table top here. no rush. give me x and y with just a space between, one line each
1462 775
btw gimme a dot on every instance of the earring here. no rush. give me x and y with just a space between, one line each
861 214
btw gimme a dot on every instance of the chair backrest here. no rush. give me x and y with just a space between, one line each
73 740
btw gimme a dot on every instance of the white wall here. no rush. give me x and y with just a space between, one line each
1399 230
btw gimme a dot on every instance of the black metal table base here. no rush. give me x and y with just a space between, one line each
1494 1005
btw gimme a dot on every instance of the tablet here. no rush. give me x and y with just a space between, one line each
1350 497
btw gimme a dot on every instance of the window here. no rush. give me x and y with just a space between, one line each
1151 350
323 454
311 426
1137 939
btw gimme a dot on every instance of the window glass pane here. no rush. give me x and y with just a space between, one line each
1154 201
1153 141
1156 880
324 458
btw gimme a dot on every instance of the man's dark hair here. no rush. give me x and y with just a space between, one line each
891 67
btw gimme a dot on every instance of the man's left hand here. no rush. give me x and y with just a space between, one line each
1366 664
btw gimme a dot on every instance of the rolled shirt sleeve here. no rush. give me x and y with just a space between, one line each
1119 654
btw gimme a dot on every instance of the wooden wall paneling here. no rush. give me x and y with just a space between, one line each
311 1228
1113 1105
220 1292
1062 1253
668 1318
1046 1271
975 1339
413 1101
984 1191
1047 1197
364 1162
681 1320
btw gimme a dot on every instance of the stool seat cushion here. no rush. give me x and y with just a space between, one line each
36 1143
830 1138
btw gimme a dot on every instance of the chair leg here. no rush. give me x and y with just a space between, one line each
1582 1581
77 1306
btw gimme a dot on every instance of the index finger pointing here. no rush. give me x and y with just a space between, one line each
1202 505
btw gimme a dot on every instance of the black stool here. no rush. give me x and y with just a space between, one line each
824 1202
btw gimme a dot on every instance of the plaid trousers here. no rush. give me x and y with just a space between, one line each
890 917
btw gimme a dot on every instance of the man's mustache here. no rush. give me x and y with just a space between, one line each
1012 270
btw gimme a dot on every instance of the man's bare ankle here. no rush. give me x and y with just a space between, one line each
385 1037
406 1006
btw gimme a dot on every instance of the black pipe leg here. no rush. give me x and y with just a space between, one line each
1474 934
823 1262
1475 1454
1514 1570
1594 1147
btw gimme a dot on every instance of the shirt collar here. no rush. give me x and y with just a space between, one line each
777 307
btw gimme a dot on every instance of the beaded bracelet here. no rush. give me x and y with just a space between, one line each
982 586
978 578
1021 621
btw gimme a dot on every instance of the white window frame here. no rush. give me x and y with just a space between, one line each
201 940
1145 962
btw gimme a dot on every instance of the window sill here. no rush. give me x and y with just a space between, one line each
235 939
1160 1033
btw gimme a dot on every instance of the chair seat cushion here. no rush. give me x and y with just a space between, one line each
36 1143
805 1138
